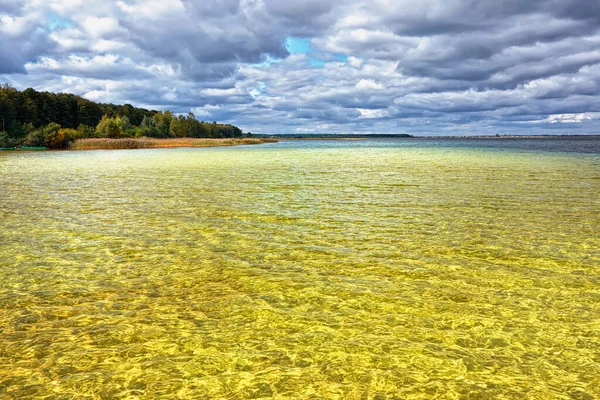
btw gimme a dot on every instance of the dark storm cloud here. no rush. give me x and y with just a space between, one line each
10 7
426 18
422 66
303 18
466 40
206 40
21 37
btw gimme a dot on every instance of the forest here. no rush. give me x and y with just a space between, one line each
54 120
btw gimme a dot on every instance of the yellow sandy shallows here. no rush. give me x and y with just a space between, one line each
317 270
151 143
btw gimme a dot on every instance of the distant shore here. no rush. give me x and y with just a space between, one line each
323 138
405 136
513 137
153 143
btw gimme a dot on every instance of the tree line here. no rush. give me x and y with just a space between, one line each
31 118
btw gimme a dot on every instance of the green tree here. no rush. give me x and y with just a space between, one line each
30 112
67 107
52 136
214 130
4 141
7 107
38 110
123 123
192 126
146 122
57 138
147 128
107 127
178 128
35 138
89 113
49 112
16 131
85 131
204 129
29 127
163 123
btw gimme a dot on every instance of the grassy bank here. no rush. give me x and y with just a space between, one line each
152 143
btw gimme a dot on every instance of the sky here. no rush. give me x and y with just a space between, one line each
423 67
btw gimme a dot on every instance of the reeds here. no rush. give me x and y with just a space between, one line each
152 143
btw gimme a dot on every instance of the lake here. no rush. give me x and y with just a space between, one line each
376 269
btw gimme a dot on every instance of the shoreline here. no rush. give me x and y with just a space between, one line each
154 143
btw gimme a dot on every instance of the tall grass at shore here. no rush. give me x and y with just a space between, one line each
151 143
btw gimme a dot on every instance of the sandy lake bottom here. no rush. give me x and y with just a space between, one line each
379 269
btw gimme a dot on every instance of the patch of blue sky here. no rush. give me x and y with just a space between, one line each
56 22
298 45
325 58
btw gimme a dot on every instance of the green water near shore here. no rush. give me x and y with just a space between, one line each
312 270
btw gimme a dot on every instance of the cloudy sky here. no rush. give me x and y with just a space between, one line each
303 66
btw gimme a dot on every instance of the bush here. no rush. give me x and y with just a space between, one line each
4 141
54 136
137 132
107 127
56 139
85 131
35 138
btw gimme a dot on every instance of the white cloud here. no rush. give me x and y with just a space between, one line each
364 113
11 25
65 7
151 9
571 118
103 46
97 27
368 84
431 66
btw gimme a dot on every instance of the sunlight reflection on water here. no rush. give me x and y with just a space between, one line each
355 270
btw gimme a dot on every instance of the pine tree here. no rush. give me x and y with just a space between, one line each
16 130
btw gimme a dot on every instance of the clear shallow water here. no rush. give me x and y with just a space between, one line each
377 269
